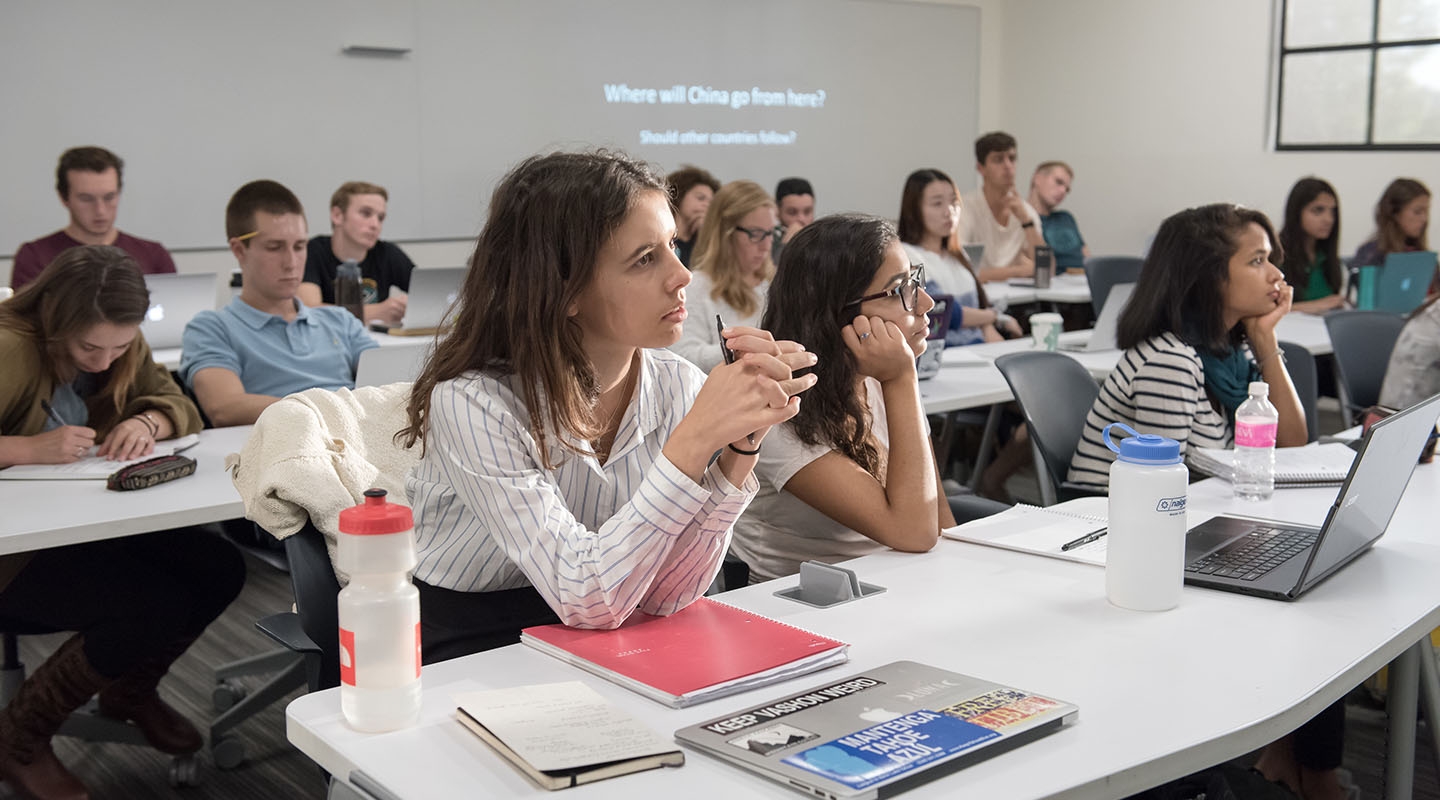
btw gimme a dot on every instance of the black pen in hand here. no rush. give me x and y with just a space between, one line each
1084 540
50 412
729 358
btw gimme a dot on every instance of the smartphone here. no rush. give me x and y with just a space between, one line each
724 349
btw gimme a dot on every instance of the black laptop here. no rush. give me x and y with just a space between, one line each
1280 560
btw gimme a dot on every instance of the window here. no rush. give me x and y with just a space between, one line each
1359 75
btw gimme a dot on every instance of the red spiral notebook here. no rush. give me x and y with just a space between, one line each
705 651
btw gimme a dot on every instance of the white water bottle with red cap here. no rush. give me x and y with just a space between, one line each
379 616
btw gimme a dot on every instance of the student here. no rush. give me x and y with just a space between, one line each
1401 219
1310 239
691 190
1049 186
74 371
929 213
795 203
564 470
357 214
1414 370
88 180
267 343
996 216
1199 328
732 269
853 472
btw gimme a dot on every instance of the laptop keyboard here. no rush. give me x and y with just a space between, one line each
1251 557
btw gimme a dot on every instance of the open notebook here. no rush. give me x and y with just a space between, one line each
1317 465
92 467
1043 531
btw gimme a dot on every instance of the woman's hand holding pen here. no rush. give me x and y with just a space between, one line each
761 381
63 445
126 441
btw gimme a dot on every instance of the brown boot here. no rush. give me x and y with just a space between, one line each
62 684
132 697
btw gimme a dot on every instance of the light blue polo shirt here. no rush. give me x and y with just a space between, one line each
318 349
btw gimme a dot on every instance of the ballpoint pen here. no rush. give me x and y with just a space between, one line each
50 412
1093 536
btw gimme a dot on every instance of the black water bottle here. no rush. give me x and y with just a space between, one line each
347 289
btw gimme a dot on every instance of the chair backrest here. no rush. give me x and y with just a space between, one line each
1301 366
1362 341
1102 272
316 590
1055 394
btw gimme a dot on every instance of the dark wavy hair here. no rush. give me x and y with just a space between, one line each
1181 289
549 218
1292 236
912 222
1388 234
827 265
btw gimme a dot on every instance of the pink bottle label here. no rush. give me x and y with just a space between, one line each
1255 434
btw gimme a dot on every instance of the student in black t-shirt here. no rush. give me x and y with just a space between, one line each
357 212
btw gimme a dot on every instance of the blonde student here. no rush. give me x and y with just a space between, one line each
569 469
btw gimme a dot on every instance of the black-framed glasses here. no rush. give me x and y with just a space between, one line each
756 235
907 290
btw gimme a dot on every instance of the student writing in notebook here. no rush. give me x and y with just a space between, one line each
74 371
1200 325
853 472
567 464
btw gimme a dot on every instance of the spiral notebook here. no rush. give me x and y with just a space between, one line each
1296 467
704 651
1079 523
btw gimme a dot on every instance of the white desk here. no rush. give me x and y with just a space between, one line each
43 514
170 356
1157 698
1064 288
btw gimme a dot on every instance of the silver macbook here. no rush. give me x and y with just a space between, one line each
433 291
174 301
880 732
394 364
1282 561
1102 337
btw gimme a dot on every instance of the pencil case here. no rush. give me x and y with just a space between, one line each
150 472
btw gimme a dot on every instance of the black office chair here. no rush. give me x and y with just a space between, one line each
1362 341
1103 272
1301 366
312 629
1055 394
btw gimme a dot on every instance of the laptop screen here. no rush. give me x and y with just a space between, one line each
1371 492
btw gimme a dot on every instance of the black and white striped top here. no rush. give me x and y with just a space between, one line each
1158 387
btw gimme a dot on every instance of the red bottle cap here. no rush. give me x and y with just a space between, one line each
375 516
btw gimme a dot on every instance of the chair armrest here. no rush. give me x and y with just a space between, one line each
285 628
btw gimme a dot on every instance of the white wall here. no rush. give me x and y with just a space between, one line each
1160 105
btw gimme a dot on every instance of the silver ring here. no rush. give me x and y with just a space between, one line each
864 336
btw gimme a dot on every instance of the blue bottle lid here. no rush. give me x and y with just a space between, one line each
1143 448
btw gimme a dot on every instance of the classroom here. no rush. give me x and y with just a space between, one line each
434 118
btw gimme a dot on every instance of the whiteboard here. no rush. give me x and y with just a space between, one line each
199 98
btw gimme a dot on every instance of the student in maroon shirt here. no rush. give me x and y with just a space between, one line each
88 180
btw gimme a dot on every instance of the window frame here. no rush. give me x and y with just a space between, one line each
1374 47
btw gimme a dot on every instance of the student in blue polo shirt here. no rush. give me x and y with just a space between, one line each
266 343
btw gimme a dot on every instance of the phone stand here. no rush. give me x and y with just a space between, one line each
823 585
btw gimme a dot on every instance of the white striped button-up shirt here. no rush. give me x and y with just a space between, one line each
597 541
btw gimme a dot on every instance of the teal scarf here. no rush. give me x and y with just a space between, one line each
1228 378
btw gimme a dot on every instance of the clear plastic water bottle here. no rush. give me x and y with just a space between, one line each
379 616
1145 547
348 291
1256 424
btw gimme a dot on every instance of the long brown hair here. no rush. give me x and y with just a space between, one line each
1293 236
715 247
1388 235
82 287
549 218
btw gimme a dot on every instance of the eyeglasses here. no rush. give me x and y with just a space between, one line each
907 290
756 235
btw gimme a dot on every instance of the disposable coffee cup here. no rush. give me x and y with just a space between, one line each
1045 329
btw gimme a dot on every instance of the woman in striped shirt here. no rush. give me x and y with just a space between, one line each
568 470
1200 326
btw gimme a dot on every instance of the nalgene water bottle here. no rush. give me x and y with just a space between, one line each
1145 554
